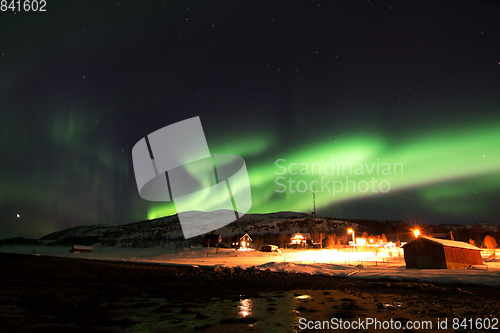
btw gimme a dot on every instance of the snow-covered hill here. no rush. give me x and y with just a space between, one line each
283 223
168 228
8 235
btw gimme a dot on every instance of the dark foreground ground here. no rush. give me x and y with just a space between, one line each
50 294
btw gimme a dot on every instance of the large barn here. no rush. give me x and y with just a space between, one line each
427 252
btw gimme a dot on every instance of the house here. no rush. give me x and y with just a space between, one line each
80 249
300 241
426 252
243 242
211 240
300 238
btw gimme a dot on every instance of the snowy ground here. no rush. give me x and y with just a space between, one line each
387 264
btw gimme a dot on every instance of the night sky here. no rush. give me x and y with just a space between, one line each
370 84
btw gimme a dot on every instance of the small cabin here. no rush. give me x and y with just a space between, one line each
243 242
211 240
80 249
426 252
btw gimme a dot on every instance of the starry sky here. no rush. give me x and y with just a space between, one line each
403 96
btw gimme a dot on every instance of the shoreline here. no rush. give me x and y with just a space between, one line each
43 293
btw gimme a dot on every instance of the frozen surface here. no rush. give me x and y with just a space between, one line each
386 264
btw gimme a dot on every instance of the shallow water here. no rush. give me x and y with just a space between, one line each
269 312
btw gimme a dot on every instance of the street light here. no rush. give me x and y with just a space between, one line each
351 231
416 233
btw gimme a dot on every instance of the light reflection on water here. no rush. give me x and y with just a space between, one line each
276 312
245 307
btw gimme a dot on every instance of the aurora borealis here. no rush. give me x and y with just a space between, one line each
361 83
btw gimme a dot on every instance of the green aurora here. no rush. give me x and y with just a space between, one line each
359 83
438 167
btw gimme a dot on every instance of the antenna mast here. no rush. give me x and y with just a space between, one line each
314 201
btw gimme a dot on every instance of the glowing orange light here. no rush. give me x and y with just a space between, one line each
416 233
351 231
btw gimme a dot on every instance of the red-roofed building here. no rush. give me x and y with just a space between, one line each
426 252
